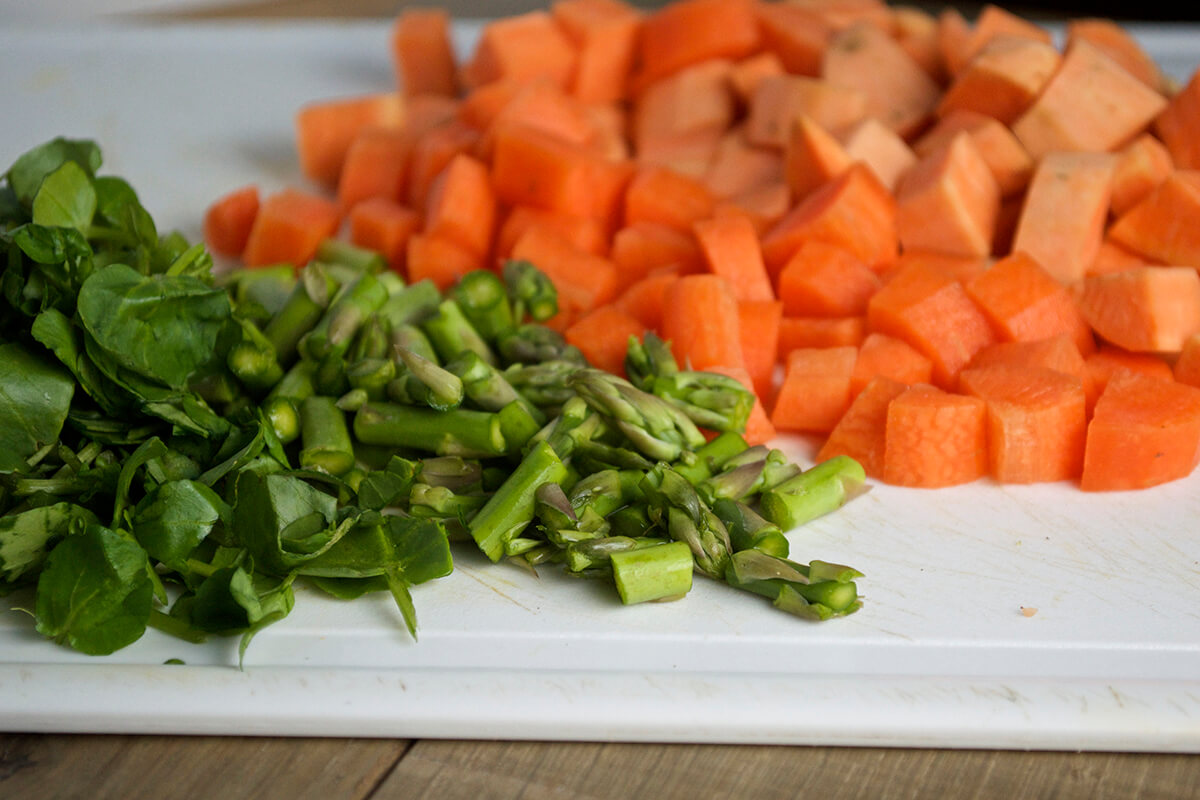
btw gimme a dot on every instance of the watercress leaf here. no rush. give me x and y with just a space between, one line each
150 449
56 262
421 547
172 520
364 552
283 521
52 328
162 327
26 537
350 588
65 199
118 206
398 585
11 213
27 172
35 395
94 593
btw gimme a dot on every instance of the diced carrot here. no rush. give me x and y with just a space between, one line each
758 325
430 155
1119 45
540 104
609 124
688 154
954 39
1036 422
462 206
531 168
687 32
643 247
854 211
885 356
1141 165
385 226
759 429
695 102
949 201
1112 257
1056 353
764 206
881 149
960 268
795 35
815 392
602 335
583 233
1165 225
424 112
934 439
289 226
661 195
1187 367
643 299
422 52
779 101
376 165
700 320
325 129
1062 221
480 106
916 30
738 167
812 158
800 332
935 315
1144 432
604 33
1149 309
731 249
1178 123
228 221
439 259
994 21
1002 79
584 281
524 46
898 92
1025 303
861 433
1109 360
1007 158
824 280
1090 104
746 74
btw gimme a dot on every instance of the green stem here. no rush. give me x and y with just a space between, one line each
459 432
813 493
653 573
511 508
324 436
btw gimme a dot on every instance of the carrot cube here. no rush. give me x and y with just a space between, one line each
795 35
659 194
643 247
1003 78
439 259
812 158
1144 432
376 165
801 332
861 433
228 221
384 226
422 53
881 149
815 392
462 206
604 33
883 356
949 201
758 326
934 439
289 227
731 249
1062 221
522 47
824 280
643 299
688 32
602 335
700 320
325 130
1110 360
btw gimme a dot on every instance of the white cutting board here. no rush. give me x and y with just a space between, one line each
941 654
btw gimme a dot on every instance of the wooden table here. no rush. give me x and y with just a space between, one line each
165 767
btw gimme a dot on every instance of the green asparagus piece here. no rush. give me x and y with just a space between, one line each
748 530
814 492
483 298
423 381
353 400
410 337
303 309
324 437
459 432
532 293
252 360
647 359
260 290
654 427
440 502
353 304
284 418
702 463
593 556
511 509
297 383
411 305
543 384
675 504
373 340
488 388
793 587
372 376
663 572
452 333
536 344
453 472
710 400
339 251
517 424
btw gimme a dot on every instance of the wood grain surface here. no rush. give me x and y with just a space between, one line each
64 767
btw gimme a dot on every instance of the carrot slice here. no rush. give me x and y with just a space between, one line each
522 47
815 392
228 221
700 320
1144 432
935 315
376 165
1036 422
949 201
422 53
384 226
288 228
602 334
1149 309
883 356
604 33
1164 227
934 439
662 195
731 249
462 205
325 129
1062 221
861 433
1025 303
643 247
758 327
687 32
824 280
439 259
800 332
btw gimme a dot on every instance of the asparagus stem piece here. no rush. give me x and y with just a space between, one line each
453 472
748 530
284 418
593 555
654 427
371 375
814 492
488 388
426 382
297 383
536 344
710 400
338 251
459 432
354 303
632 520
543 384
408 307
602 492
330 376
663 572
252 360
511 509
410 337
452 334
353 400
530 291
483 298
700 464
324 436
440 502
517 424
791 586
303 309
675 504
373 340
267 288
647 359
